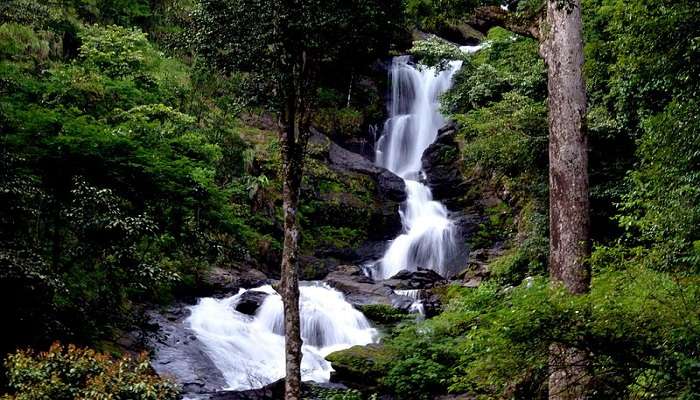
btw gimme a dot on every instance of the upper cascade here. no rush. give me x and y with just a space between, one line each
428 239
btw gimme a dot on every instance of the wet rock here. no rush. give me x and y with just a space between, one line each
441 164
177 353
250 301
391 186
419 279
371 250
477 269
358 289
272 391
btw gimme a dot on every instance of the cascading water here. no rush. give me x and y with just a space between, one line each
249 350
428 237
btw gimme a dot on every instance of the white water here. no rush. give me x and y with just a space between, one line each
428 237
249 351
414 294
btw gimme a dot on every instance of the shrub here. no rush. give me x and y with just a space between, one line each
69 372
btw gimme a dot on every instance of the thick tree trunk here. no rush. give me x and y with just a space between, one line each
293 156
562 49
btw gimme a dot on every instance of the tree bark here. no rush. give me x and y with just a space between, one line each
292 157
569 223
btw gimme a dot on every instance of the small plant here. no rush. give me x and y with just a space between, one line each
70 372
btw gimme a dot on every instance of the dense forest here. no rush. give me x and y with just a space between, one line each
151 150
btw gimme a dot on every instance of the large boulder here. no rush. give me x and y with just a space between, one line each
419 279
358 289
178 354
221 281
250 301
346 201
391 187
360 367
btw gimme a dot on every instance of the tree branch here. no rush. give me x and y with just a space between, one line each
487 17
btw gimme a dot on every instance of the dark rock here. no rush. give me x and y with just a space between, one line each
391 186
222 281
176 353
385 222
432 305
371 250
441 164
250 301
420 279
460 33
272 391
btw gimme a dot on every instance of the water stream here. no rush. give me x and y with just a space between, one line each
428 237
249 350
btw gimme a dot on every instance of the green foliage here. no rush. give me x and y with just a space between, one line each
115 51
662 205
508 137
66 373
430 15
384 314
436 52
336 394
640 326
21 42
291 38
112 192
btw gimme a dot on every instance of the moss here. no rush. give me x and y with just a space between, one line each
361 366
498 226
384 314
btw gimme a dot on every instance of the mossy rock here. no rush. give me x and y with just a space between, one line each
384 314
360 367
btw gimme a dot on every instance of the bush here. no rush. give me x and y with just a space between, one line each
69 372
639 324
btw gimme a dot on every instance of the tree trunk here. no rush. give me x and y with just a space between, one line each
569 224
293 156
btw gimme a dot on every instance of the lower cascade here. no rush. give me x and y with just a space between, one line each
249 350
428 237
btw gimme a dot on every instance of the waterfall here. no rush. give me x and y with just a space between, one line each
428 237
249 350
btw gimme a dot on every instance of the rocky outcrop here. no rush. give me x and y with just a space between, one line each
441 163
178 354
358 289
478 268
420 279
273 391
391 187
348 208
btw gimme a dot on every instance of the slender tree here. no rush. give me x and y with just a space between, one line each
287 44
